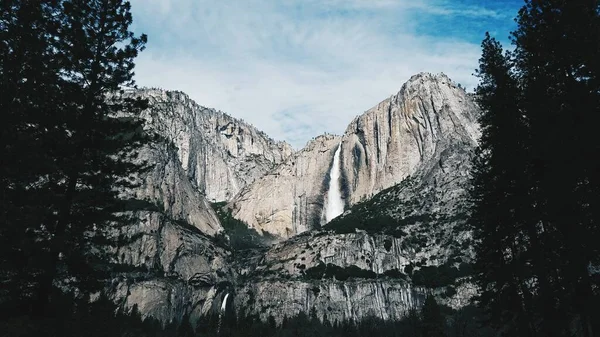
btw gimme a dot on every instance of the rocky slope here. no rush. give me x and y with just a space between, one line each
384 254
172 259
380 258
220 154
401 136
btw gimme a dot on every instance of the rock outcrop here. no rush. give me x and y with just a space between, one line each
290 199
409 159
401 136
219 153
172 256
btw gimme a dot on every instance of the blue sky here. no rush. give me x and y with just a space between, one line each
299 68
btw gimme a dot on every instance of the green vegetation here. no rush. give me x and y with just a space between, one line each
433 321
240 236
325 271
395 273
329 270
355 220
386 214
440 276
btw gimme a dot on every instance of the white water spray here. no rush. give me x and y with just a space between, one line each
335 203
224 304
223 307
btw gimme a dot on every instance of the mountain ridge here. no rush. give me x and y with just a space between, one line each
380 148
220 153
347 270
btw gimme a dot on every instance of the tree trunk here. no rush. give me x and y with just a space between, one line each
57 245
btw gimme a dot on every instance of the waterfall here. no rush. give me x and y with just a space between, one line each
335 203
223 307
224 304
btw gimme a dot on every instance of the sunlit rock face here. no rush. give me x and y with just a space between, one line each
220 154
405 133
401 136
290 199
409 159
421 138
168 187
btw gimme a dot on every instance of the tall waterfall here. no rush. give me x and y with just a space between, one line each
335 203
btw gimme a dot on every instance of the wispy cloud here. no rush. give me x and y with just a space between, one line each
298 68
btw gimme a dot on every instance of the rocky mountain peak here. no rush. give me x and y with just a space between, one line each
397 138
360 264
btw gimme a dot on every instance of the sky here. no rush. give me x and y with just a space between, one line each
296 69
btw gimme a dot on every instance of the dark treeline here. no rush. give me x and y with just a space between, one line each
536 188
432 320
74 318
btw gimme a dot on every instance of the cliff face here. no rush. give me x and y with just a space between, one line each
289 199
168 261
220 154
405 133
354 273
407 159
401 136
337 300
172 258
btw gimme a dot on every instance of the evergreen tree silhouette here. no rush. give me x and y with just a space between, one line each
536 201
69 138
433 324
500 192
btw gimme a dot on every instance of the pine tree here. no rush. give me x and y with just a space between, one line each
101 131
433 324
500 194
556 52
29 101
69 137
536 201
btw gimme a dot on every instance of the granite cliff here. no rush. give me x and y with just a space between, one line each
401 136
289 199
172 258
403 173
220 154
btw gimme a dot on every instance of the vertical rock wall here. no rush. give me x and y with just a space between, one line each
399 137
